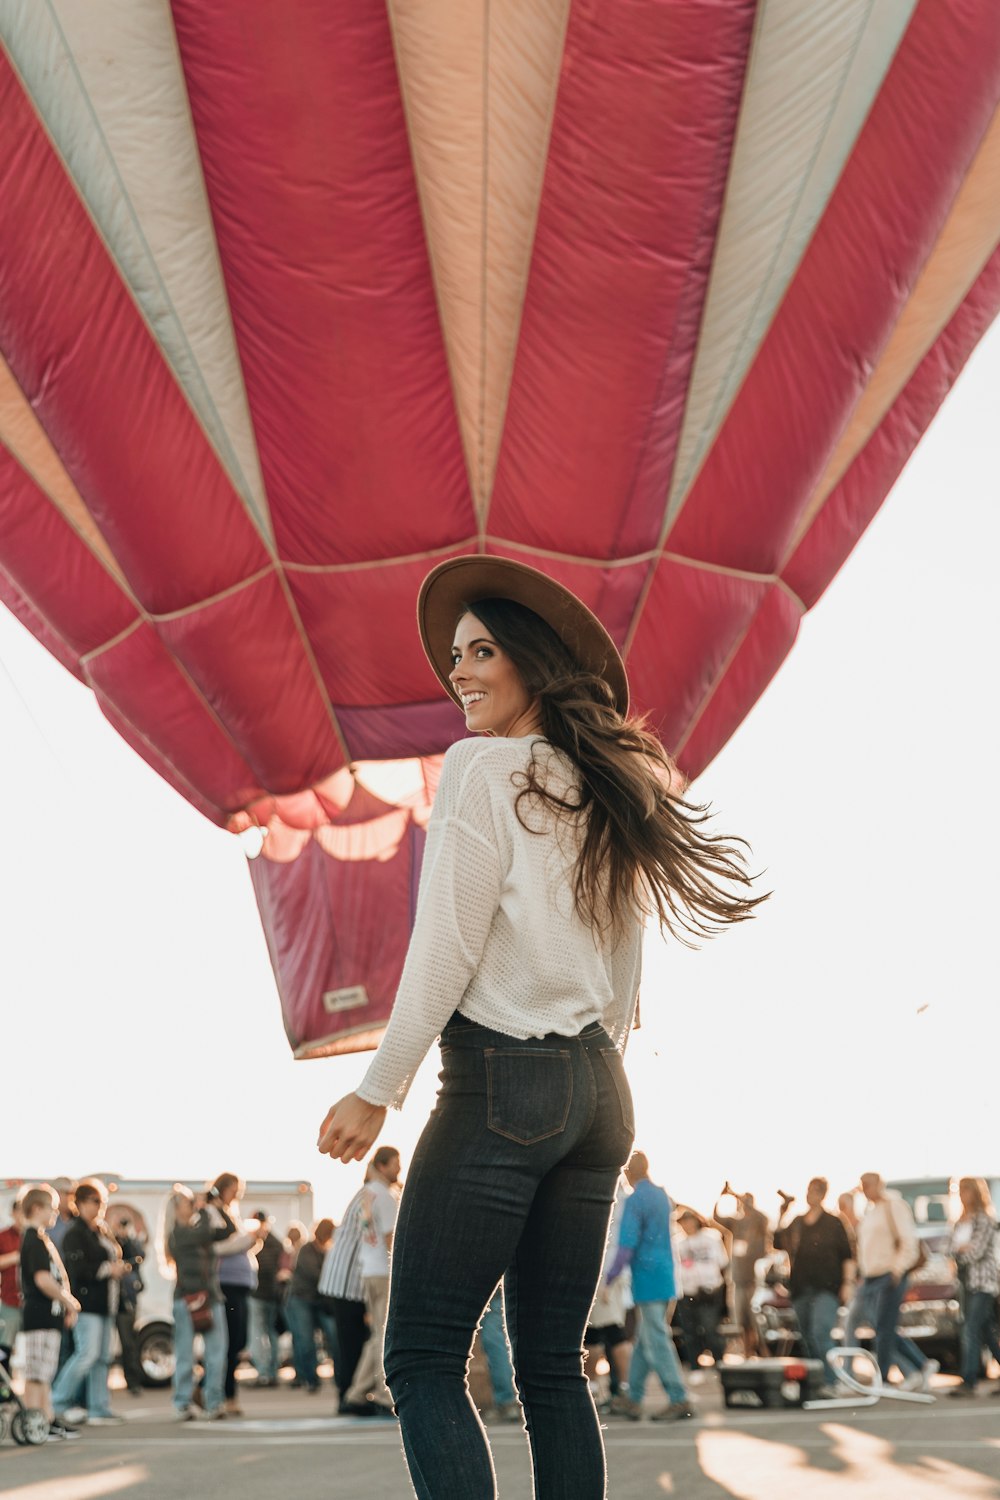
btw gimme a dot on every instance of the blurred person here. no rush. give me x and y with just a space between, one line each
549 840
645 1246
702 1259
608 1318
10 1281
887 1251
95 1266
65 1187
750 1241
237 1273
822 1271
973 1247
266 1300
493 1338
306 1309
48 1305
191 1234
849 1218
380 1205
128 1301
342 1285
295 1237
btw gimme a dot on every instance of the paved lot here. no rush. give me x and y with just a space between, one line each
287 1446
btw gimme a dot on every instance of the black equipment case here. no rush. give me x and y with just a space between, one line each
773 1382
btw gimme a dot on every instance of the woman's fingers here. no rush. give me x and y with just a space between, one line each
347 1134
330 1137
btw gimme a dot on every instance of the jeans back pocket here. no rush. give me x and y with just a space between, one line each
529 1092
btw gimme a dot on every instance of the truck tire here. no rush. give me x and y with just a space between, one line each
156 1354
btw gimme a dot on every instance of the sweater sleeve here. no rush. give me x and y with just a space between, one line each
460 885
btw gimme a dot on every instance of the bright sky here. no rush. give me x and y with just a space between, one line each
853 1026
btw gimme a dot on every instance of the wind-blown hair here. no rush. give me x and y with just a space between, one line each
644 849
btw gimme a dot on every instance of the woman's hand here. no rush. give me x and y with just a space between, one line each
350 1128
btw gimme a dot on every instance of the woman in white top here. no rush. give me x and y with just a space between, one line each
549 842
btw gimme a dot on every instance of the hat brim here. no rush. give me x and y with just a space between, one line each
463 580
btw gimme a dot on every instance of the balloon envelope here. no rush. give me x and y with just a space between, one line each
295 302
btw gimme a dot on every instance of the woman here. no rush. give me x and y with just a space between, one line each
95 1266
973 1247
190 1236
549 842
237 1273
305 1310
702 1259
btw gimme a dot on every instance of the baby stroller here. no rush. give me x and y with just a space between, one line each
27 1424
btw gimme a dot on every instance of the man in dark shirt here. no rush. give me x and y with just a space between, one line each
821 1268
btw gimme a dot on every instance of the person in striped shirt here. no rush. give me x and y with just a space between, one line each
341 1281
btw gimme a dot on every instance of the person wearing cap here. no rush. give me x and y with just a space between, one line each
557 827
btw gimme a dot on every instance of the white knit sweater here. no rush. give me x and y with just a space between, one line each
497 935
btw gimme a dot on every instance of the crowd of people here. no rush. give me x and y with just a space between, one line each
696 1270
69 1279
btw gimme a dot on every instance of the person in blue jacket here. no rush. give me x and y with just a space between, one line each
645 1246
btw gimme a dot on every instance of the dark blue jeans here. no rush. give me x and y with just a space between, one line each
816 1313
878 1300
514 1177
305 1319
979 1328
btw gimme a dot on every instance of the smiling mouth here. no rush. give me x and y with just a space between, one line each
469 700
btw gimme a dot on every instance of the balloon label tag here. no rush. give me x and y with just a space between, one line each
351 998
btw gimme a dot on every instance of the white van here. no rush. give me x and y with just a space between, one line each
142 1201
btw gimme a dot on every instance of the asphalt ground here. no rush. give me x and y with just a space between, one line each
288 1446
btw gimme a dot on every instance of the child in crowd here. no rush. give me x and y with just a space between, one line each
49 1306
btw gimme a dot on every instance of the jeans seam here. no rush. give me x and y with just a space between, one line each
621 1101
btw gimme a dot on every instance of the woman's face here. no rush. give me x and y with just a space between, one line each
968 1195
495 699
227 1194
90 1210
184 1209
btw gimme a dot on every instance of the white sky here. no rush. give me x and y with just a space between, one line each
141 1030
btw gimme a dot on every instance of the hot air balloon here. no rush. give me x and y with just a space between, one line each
656 295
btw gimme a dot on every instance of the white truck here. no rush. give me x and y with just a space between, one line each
141 1201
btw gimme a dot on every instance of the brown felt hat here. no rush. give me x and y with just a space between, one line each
463 580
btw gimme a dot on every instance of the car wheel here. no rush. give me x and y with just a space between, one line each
156 1354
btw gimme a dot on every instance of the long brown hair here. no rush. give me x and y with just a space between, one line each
644 849
978 1188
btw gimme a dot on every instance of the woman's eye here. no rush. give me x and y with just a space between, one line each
484 651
